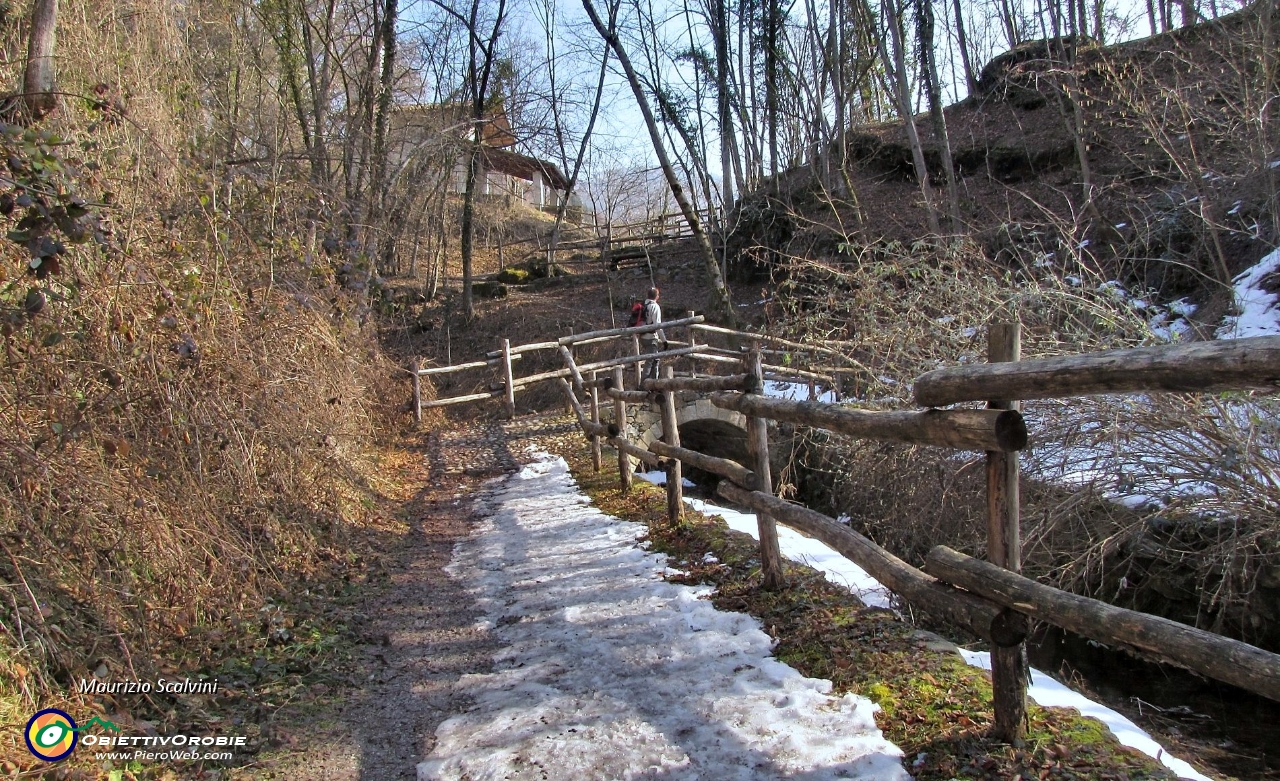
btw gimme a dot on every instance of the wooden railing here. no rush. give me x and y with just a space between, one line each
615 245
989 599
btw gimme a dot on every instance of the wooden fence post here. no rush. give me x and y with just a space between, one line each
635 340
1004 548
509 378
758 450
570 359
671 435
620 418
691 337
595 418
417 390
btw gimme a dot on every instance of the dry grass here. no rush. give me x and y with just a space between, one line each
186 425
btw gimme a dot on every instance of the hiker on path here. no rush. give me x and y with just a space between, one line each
656 340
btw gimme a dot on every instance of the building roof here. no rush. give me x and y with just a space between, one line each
522 166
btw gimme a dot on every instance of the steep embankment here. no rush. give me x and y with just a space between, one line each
191 404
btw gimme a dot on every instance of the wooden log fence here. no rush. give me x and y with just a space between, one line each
591 428
620 420
1230 364
638 453
723 467
771 574
961 429
974 614
635 397
735 382
1206 653
989 599
488 363
1009 669
671 435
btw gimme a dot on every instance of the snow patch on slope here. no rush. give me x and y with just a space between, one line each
1259 314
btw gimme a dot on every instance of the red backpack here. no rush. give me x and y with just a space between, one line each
637 314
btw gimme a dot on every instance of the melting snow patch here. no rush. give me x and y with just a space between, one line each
609 672
806 550
1049 693
659 477
1259 315
796 391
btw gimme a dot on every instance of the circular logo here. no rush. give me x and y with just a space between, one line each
51 735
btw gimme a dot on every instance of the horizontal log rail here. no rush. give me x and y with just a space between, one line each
702 354
612 333
488 363
525 348
634 397
778 340
461 399
1206 653
1233 364
606 364
788 371
962 429
732 382
637 452
979 616
723 467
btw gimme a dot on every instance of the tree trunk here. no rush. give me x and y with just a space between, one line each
902 97
970 78
479 74
929 72
38 82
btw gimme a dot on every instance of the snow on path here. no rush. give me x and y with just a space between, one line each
610 672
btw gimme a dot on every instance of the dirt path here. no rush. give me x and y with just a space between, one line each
418 633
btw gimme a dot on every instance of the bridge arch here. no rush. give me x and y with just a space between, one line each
708 429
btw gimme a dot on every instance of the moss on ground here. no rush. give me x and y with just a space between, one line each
935 707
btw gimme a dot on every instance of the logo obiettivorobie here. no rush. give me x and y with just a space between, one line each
52 734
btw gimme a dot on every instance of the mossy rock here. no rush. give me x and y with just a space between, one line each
490 290
514 276
539 269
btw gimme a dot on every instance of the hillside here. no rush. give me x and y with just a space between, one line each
1183 166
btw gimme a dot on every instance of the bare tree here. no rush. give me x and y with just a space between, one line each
720 304
900 89
933 91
